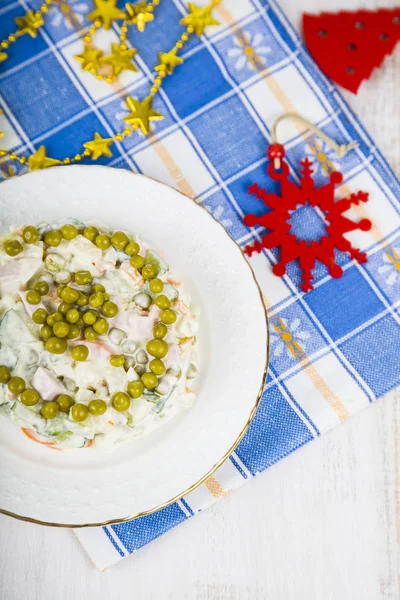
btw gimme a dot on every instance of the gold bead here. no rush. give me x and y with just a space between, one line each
12 38
124 29
122 37
67 161
154 89
124 47
92 30
93 71
86 152
127 131
78 157
87 38
119 137
150 8
49 1
99 76
162 74
44 8
190 29
4 44
109 79
3 152
97 23
179 44
158 81
156 2
22 160
184 37
13 156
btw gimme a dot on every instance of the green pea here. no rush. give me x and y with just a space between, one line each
83 277
149 271
61 329
157 366
117 360
80 353
90 233
101 326
33 297
46 332
156 286
59 290
53 238
39 316
119 240
30 235
162 302
98 287
102 241
79 412
137 262
80 322
121 401
97 407
132 248
157 348
54 318
90 334
69 232
149 380
49 410
16 385
29 397
135 389
168 316
83 299
109 309
4 374
56 345
65 402
90 317
64 307
42 287
13 248
160 331
69 295
73 332
72 315
96 300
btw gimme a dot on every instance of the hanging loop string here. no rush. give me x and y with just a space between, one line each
340 149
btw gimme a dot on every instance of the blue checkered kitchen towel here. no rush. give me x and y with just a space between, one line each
334 350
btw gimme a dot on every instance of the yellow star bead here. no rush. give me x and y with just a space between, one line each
39 160
29 24
141 113
119 59
106 11
138 14
168 61
3 56
90 58
99 146
199 18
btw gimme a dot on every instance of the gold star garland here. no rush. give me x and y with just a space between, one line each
141 112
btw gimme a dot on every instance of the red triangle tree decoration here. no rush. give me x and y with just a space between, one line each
348 46
277 220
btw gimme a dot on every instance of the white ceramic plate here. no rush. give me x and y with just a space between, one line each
79 487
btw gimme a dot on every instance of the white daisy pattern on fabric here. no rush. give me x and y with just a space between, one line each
71 14
218 214
322 156
249 51
391 266
288 337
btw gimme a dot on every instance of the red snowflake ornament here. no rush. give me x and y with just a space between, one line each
293 196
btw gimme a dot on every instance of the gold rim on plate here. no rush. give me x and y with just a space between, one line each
242 432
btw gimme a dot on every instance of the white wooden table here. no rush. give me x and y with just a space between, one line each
324 524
